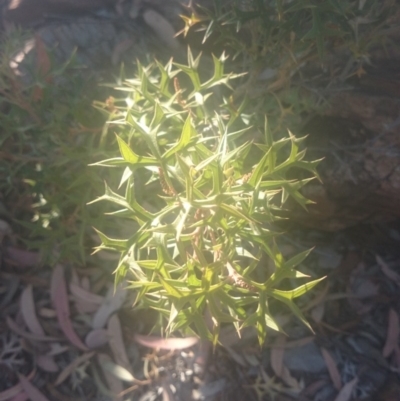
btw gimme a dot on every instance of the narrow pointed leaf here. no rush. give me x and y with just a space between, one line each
131 157
296 260
188 132
294 308
299 291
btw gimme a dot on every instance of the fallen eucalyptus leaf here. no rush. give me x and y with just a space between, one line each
347 390
33 393
393 333
29 312
112 302
96 338
61 305
116 343
72 367
332 369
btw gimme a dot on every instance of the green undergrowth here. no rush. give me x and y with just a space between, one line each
200 179
49 133
297 53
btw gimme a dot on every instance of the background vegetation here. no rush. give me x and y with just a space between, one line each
51 132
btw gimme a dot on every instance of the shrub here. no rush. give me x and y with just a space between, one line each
200 199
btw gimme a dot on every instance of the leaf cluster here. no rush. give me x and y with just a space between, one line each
297 53
306 23
196 241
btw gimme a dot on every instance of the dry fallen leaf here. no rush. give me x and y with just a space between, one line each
29 312
72 367
112 302
96 338
20 397
85 301
60 302
313 388
114 384
85 295
392 275
22 258
21 332
33 393
294 385
332 369
8 394
56 278
277 353
347 390
116 343
393 333
165 343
